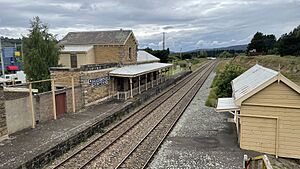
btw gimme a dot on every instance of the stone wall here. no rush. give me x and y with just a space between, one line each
3 127
116 53
95 92
63 76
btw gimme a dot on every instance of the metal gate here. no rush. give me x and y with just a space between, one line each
60 101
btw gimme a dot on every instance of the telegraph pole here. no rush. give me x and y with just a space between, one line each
2 61
164 41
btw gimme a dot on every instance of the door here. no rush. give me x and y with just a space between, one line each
73 60
60 100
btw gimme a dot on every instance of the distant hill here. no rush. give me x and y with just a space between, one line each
235 48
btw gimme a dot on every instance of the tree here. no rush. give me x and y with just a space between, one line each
262 43
289 44
257 42
40 52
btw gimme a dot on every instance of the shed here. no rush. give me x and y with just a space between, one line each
267 110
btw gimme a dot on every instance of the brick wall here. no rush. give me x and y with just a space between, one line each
3 127
43 103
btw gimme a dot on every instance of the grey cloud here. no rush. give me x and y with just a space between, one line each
187 22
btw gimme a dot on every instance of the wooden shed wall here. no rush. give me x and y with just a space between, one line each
259 134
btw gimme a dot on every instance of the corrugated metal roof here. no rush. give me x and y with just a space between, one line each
96 37
251 79
134 70
226 104
77 48
143 56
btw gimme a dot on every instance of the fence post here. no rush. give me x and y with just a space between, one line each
73 95
53 99
31 105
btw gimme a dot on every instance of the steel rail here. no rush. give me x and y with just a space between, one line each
181 83
115 140
201 81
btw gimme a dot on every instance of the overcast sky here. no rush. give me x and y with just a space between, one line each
189 24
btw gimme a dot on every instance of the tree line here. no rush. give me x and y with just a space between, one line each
287 44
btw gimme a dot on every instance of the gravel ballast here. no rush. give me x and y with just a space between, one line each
202 138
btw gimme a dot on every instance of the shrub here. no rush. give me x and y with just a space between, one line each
224 78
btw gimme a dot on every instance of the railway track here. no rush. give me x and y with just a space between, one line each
120 142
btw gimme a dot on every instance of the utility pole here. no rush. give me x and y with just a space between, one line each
180 53
2 61
164 41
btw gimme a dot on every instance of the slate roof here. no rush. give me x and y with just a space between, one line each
117 37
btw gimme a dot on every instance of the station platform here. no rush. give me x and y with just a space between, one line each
25 146
34 148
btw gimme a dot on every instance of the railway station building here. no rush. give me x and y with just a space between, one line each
108 64
266 109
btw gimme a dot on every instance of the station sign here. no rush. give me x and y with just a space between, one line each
99 81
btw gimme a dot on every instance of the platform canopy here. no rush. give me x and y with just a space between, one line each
226 104
137 70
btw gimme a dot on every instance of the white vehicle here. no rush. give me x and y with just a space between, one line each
9 79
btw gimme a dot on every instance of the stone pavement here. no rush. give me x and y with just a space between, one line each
202 138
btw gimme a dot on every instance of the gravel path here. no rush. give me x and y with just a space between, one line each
201 139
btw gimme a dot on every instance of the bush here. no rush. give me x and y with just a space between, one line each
182 63
224 78
225 54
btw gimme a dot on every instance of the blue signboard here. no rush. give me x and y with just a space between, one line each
99 81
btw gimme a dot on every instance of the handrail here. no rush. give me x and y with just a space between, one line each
257 162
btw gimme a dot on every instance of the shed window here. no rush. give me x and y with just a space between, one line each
129 53
73 58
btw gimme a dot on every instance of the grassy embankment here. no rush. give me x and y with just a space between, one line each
289 67
196 62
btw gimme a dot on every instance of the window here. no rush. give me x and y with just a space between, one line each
129 53
73 58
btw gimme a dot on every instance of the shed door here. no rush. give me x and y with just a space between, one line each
60 100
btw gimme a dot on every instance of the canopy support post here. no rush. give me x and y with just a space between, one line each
152 79
146 80
131 93
139 84
157 77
